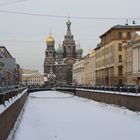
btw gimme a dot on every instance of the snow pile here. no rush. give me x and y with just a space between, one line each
51 115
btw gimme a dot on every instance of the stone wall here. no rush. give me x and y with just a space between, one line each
9 116
131 102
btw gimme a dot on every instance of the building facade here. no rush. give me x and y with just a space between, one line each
84 70
89 65
78 72
92 65
32 77
10 72
110 59
133 60
58 62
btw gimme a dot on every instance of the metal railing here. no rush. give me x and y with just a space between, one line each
126 89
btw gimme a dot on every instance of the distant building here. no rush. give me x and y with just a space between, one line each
110 56
28 71
89 65
78 72
84 70
58 63
10 71
133 60
32 77
18 74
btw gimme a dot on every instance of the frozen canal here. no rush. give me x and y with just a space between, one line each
51 115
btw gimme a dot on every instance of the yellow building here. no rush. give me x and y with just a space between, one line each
110 59
28 71
133 60
32 77
89 68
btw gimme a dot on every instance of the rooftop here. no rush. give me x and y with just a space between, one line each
121 27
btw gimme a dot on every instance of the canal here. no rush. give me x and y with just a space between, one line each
52 115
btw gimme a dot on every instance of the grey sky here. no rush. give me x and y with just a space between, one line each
24 36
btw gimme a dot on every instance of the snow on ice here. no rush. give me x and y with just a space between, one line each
52 115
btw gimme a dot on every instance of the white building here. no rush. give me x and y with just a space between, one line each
78 72
133 60
136 59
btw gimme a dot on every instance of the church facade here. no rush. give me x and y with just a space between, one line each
58 62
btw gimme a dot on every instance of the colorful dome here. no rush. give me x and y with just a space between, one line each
60 51
79 51
50 40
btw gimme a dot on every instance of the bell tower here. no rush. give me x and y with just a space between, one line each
50 60
50 50
69 45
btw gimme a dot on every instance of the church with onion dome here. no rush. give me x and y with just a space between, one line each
59 60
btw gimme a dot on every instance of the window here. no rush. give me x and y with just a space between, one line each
119 35
120 71
112 37
112 71
120 81
128 35
120 58
69 49
120 47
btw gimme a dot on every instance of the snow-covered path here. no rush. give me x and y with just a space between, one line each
51 115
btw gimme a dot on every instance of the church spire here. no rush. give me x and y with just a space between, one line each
69 45
68 23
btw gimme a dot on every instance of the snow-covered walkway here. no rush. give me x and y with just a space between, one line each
51 115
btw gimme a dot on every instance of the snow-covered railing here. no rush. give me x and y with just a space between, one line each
115 89
11 105
7 95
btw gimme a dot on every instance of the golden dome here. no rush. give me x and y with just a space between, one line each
50 40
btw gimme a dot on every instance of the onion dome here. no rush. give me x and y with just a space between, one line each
50 40
60 51
79 51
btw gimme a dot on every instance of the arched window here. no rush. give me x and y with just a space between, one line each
69 49
64 51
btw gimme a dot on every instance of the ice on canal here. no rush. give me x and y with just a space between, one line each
52 115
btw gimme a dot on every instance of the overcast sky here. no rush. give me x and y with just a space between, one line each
24 36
